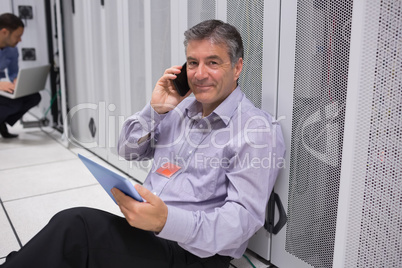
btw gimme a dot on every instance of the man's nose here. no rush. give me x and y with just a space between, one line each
201 72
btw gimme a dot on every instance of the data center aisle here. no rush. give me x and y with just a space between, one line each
39 177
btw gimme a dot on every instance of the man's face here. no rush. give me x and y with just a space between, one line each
14 37
210 73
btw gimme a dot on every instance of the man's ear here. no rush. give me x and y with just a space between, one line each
4 32
238 67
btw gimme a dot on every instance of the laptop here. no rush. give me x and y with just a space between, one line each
29 81
109 179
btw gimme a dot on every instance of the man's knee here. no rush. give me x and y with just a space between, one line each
37 98
71 216
34 99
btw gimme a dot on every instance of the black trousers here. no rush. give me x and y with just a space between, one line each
85 237
11 110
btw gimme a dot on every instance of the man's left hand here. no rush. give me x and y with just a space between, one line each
150 215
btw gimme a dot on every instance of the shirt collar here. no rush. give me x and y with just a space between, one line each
224 111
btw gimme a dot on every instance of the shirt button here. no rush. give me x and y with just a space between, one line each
201 126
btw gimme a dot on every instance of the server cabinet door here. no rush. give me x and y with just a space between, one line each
80 92
312 97
33 49
139 89
370 209
115 74
265 60
95 57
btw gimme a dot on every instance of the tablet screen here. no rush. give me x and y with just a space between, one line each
109 179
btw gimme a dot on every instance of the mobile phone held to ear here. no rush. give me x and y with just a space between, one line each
181 83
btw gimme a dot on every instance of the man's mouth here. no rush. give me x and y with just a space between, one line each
202 87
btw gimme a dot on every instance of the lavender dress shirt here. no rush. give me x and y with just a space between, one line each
229 162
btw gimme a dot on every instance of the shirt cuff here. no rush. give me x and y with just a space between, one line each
178 226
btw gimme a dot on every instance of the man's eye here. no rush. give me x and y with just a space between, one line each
213 64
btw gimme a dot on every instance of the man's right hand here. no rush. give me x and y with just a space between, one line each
165 97
7 86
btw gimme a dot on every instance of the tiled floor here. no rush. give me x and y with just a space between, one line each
39 177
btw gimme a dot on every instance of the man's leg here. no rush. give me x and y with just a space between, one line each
11 110
14 109
184 259
83 237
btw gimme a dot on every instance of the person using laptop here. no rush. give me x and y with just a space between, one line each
206 194
11 110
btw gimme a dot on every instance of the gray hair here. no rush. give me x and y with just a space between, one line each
218 32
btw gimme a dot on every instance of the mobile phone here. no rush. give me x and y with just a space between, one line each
181 83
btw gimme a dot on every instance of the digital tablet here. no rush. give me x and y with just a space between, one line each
109 179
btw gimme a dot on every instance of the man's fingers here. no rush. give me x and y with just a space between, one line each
120 197
145 194
117 194
7 86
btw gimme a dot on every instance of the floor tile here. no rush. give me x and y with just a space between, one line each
30 215
33 154
25 135
44 178
24 139
8 240
82 151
